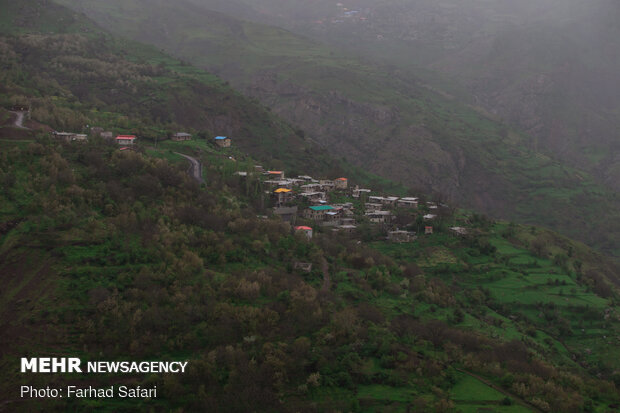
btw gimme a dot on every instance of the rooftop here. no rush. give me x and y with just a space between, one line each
321 208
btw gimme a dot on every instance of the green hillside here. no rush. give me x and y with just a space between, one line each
119 255
74 75
110 254
378 119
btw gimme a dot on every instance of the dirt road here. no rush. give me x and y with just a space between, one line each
195 169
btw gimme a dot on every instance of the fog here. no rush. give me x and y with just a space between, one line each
548 67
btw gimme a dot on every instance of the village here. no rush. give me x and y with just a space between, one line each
333 205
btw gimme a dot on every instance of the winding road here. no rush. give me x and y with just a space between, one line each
19 122
195 169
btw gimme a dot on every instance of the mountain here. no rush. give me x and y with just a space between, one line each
121 255
549 68
377 118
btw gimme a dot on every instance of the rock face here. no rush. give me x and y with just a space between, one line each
369 135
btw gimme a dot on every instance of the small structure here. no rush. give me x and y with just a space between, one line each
277 183
458 231
311 188
222 141
275 174
379 217
428 230
306 230
370 207
125 139
327 184
65 136
428 217
182 136
70 136
341 183
283 195
313 196
288 214
407 203
357 192
347 229
401 236
317 213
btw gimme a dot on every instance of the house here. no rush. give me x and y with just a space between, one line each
326 184
283 195
306 178
372 207
294 181
222 141
401 236
317 213
288 214
379 217
407 203
277 183
181 136
458 231
428 217
332 217
66 136
357 192
106 135
313 196
305 230
347 229
389 200
311 188
341 183
80 137
347 221
20 108
125 139
275 174
428 230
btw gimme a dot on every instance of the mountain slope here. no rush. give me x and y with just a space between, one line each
120 255
376 118
547 67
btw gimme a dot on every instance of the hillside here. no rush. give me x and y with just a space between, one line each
120 255
549 68
109 253
75 76
378 119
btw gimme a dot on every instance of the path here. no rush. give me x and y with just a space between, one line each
195 169
19 122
